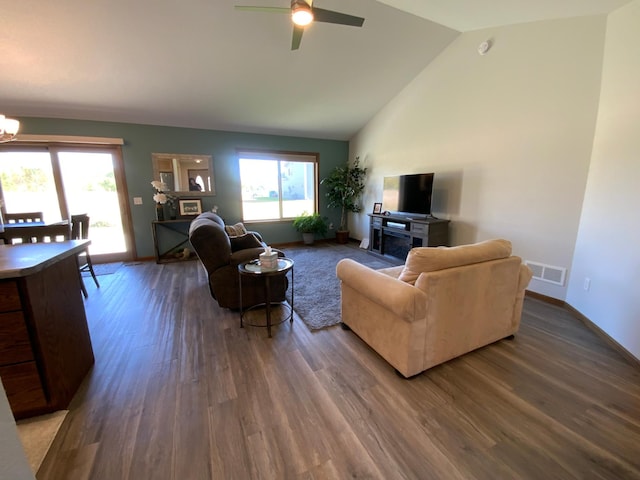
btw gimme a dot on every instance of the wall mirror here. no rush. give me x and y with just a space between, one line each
185 174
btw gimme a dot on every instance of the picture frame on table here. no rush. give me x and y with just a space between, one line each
377 208
190 207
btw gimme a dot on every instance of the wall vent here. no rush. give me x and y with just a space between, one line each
547 273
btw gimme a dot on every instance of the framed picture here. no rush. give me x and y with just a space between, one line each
377 208
190 206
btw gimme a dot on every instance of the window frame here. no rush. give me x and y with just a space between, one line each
281 156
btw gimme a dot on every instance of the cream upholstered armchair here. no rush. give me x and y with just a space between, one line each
443 303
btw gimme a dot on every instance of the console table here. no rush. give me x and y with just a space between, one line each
395 235
45 347
170 238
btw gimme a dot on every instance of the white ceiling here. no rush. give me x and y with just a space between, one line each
467 15
203 64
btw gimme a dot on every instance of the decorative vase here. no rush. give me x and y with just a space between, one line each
159 212
173 212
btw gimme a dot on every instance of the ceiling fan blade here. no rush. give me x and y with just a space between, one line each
329 16
263 9
297 37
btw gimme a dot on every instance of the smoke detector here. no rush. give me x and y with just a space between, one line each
484 47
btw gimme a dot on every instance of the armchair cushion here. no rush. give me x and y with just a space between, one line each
430 259
236 230
242 242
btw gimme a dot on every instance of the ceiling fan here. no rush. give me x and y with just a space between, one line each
303 13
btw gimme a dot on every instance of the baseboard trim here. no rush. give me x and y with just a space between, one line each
604 335
545 298
589 324
317 240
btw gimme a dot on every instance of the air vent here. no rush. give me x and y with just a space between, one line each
547 273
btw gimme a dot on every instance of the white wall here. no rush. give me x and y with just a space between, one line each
13 460
508 135
608 245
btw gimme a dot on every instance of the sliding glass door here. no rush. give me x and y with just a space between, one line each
28 184
61 181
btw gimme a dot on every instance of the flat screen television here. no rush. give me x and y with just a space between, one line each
408 194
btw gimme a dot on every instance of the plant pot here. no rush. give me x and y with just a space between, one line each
308 238
342 236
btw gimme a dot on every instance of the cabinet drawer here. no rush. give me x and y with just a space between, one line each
9 296
376 222
24 388
419 228
15 345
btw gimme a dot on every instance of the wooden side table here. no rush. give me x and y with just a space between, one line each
253 268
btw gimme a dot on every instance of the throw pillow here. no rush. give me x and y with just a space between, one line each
235 230
430 259
245 241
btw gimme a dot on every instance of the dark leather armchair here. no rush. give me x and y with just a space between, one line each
221 254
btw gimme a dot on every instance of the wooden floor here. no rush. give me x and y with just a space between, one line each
179 391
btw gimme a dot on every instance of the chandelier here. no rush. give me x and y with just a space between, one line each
8 128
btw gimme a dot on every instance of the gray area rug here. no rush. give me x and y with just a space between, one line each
104 269
317 289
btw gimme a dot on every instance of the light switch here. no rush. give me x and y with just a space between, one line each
137 200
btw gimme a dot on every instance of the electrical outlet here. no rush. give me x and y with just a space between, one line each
587 283
137 200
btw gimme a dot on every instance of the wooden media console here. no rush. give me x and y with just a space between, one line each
395 235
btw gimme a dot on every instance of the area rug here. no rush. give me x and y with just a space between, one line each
317 289
37 434
104 269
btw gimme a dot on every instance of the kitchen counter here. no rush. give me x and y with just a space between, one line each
45 347
22 260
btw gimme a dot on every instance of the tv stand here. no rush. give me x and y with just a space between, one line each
394 235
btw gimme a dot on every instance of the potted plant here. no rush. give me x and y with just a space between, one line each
309 226
344 187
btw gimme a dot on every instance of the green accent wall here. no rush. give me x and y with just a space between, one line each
140 141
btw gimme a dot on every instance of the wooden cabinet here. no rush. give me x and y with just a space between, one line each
395 235
45 348
24 388
15 345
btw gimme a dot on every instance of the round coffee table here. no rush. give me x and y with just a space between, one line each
254 269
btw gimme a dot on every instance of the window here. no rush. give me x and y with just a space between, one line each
27 182
277 185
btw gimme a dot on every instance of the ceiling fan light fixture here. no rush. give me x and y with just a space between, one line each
8 129
301 14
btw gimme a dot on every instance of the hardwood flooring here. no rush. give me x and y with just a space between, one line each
179 391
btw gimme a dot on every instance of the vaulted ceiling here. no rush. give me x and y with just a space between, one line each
204 64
